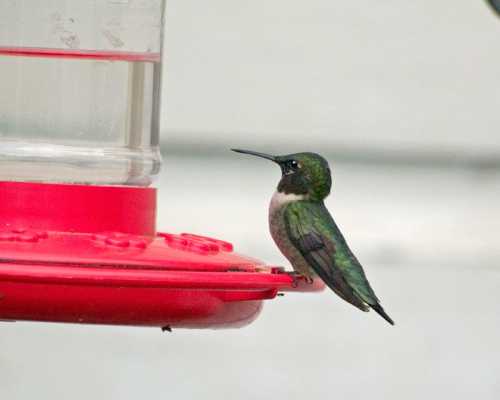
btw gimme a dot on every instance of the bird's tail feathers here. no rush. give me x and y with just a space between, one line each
380 311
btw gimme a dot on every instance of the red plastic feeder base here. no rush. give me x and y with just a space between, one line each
90 254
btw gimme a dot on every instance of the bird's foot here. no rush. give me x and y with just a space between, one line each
296 276
166 328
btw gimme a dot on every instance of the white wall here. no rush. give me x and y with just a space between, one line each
387 74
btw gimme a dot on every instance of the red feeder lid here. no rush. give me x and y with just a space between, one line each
78 270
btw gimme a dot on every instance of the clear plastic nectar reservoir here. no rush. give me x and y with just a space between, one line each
79 91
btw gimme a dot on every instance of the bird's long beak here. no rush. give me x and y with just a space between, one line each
254 153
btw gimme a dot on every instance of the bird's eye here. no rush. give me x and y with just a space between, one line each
293 165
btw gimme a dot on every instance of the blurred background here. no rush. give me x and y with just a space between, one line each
403 99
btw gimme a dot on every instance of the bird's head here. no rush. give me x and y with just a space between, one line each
306 174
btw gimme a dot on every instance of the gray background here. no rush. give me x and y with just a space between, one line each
402 97
400 75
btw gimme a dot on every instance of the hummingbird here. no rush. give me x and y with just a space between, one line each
306 233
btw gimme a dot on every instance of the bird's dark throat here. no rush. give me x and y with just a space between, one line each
292 184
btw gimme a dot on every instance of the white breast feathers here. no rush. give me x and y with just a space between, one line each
279 199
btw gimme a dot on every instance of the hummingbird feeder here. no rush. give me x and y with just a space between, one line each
79 148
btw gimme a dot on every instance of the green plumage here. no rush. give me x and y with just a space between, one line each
316 236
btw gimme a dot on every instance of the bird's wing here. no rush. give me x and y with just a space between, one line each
310 232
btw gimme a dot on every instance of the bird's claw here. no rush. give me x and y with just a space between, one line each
166 328
295 279
298 276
